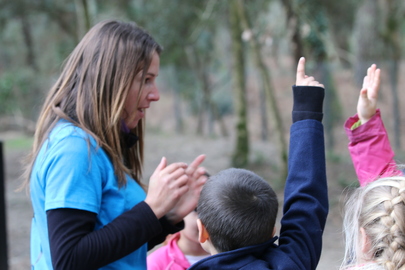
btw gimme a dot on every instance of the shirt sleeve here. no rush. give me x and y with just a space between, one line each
73 176
75 245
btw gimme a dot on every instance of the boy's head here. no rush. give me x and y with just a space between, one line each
237 208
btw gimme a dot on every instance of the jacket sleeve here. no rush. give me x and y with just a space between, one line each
305 194
370 149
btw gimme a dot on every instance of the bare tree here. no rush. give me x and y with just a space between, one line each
391 34
240 156
277 122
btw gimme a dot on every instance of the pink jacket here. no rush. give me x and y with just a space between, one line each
168 257
370 149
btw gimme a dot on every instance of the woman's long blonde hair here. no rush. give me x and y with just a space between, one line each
91 92
378 208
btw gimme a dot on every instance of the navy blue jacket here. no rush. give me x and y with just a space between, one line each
304 213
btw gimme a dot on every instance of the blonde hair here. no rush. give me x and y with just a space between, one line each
378 208
91 91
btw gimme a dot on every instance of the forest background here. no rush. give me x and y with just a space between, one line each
226 74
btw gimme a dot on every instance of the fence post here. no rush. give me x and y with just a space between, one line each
3 227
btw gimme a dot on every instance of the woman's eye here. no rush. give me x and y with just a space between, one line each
147 80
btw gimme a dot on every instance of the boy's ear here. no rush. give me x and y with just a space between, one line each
274 231
202 232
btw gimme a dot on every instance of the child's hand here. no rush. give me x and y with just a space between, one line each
302 79
367 104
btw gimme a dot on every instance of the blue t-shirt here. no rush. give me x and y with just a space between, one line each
71 171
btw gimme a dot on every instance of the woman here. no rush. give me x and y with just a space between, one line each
90 208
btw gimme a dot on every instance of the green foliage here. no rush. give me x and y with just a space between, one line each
344 182
223 99
7 101
16 89
180 26
19 143
173 26
314 40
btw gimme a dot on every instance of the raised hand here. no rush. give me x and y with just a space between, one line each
367 103
302 79
167 185
188 202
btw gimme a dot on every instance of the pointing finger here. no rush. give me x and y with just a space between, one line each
300 70
194 165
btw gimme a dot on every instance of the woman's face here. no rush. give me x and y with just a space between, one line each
134 110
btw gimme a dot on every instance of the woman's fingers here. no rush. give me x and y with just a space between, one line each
195 164
173 167
161 166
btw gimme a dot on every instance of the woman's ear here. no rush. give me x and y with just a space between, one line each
202 232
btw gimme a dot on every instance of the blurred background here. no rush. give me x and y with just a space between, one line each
226 74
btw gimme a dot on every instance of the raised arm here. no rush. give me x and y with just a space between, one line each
369 144
367 104
305 196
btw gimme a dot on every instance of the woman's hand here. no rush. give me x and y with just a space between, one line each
188 202
367 103
167 185
302 79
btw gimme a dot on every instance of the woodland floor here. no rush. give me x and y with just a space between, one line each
181 148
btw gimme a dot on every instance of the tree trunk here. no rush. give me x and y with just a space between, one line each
366 44
218 117
278 126
263 114
392 38
27 34
208 109
295 23
394 69
332 106
176 100
319 54
83 17
27 102
206 87
240 157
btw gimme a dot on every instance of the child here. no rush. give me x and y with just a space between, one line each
374 221
237 208
182 249
374 225
369 145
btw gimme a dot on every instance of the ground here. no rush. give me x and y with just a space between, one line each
174 147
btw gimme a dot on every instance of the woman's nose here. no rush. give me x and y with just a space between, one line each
154 95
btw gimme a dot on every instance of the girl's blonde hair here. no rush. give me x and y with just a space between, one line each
91 92
378 208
